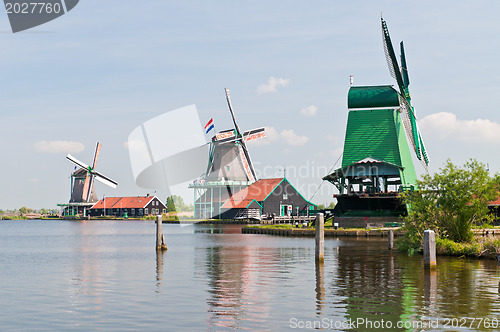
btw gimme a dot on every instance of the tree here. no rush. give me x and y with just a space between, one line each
175 203
450 202
25 210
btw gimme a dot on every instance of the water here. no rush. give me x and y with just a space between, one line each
81 276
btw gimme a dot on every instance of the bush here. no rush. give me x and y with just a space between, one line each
450 202
475 248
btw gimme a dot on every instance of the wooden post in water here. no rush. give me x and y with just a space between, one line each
390 235
160 239
320 237
429 249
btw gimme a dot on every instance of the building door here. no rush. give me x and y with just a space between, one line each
285 210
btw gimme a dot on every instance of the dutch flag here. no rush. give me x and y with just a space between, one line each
209 126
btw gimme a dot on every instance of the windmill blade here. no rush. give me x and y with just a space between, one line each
78 162
423 151
252 135
238 132
404 68
247 163
391 58
86 187
96 154
223 136
104 179
410 124
87 191
413 132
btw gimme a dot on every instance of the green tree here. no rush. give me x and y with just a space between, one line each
175 203
25 210
450 202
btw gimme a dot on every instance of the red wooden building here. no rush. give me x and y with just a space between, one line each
135 206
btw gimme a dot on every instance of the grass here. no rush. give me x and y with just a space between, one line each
477 248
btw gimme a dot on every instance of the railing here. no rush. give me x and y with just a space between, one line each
289 219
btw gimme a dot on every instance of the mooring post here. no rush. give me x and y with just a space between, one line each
320 237
160 239
390 235
429 249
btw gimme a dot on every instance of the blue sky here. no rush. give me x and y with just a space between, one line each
105 67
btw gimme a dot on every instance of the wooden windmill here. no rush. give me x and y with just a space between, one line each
229 169
82 190
83 195
377 162
229 158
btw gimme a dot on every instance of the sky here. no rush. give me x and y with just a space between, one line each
104 68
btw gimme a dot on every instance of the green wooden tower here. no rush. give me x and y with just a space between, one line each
377 163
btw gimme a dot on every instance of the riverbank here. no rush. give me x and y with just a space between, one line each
486 244
288 230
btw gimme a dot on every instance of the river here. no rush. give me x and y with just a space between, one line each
107 275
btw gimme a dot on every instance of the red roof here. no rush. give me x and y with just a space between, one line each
134 202
495 202
257 191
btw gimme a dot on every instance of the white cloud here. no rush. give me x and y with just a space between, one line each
309 111
272 84
292 138
272 135
446 124
58 147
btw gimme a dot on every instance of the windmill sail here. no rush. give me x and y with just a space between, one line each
238 132
85 188
247 162
407 111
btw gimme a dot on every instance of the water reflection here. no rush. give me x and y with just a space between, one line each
370 281
243 279
430 288
320 287
106 275
159 268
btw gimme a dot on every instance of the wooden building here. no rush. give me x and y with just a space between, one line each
265 198
135 206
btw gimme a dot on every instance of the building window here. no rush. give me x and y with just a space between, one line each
164 211
146 211
132 212
285 196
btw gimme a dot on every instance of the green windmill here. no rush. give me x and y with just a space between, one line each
377 164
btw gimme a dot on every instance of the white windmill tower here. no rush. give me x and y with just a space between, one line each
229 169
